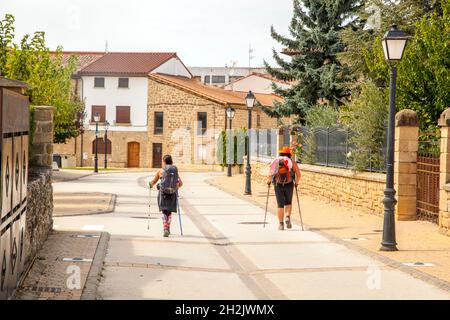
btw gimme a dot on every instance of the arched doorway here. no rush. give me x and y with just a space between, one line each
133 154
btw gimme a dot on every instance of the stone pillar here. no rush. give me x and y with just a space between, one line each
444 177
42 146
405 164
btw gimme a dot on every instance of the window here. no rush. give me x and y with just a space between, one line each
101 146
215 79
159 123
258 120
201 123
122 114
99 82
101 110
123 83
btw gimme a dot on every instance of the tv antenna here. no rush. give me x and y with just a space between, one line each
250 57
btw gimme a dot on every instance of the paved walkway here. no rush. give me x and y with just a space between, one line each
418 241
225 252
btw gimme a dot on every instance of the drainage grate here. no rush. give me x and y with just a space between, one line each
253 222
419 264
76 260
354 239
85 236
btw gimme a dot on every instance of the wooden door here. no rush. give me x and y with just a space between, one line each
133 154
157 155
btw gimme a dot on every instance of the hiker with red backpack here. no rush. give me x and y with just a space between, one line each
284 173
167 191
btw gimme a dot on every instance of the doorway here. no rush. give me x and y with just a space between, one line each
157 155
133 154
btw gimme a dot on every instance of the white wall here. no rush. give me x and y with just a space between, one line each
111 96
173 67
255 84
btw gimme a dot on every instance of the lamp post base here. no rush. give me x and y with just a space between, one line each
388 247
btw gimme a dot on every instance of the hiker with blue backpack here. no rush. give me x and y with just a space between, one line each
168 187
284 173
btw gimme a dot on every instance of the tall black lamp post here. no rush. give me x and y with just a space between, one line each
230 158
106 144
250 102
96 120
394 43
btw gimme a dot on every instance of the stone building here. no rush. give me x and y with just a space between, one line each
148 99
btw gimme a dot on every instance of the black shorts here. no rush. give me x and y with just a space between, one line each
284 194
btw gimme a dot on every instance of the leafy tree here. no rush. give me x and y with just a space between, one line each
314 69
366 115
49 79
424 72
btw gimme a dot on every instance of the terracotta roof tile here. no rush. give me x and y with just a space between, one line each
127 63
214 93
83 58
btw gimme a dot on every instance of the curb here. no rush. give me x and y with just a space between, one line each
111 208
437 282
93 279
71 179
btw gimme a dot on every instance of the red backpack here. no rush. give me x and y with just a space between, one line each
283 174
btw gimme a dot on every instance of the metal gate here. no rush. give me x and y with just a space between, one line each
14 127
428 179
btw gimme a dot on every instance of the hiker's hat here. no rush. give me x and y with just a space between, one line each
286 150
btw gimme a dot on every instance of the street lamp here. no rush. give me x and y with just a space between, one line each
250 102
230 115
106 143
394 43
96 120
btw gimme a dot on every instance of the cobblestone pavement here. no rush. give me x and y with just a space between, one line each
73 204
418 241
225 253
51 276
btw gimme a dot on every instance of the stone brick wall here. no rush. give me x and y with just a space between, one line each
180 112
444 215
42 147
359 191
39 222
444 176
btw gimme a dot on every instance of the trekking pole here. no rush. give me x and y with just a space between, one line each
149 204
298 204
179 214
267 204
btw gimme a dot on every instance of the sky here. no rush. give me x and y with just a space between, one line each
202 32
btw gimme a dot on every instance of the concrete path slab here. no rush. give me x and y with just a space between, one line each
141 283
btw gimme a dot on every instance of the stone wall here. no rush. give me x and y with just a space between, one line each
42 147
444 177
359 191
39 222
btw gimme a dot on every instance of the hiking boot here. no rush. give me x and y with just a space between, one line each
166 233
281 226
288 223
